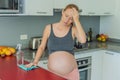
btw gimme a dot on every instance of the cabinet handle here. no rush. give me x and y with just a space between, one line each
41 12
91 12
109 53
107 13
45 62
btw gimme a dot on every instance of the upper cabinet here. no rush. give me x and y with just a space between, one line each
97 7
60 4
106 7
45 7
37 7
89 7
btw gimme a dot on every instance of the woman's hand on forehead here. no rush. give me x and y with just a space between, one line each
75 14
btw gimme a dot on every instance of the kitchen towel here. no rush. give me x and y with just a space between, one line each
27 69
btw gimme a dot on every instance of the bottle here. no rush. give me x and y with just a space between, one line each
87 37
90 34
19 55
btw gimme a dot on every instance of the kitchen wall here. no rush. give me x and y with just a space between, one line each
12 27
111 24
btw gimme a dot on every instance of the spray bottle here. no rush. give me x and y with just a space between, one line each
19 55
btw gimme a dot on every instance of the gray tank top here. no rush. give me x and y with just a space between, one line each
65 43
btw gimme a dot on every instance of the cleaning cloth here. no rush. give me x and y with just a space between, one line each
27 68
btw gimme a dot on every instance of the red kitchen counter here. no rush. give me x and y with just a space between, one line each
10 71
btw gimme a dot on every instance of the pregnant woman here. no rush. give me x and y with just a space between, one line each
59 39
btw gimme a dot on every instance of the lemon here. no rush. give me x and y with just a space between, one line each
8 53
2 53
4 49
12 50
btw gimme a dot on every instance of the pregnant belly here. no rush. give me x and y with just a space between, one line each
61 62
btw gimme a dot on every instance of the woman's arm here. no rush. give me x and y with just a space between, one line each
78 30
41 47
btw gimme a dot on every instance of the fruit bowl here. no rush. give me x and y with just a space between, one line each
101 37
7 51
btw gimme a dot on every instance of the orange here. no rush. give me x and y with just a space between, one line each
1 52
12 50
8 53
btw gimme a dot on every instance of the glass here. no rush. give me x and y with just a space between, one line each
9 4
83 75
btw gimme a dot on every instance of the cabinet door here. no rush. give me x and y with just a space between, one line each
43 64
87 7
96 68
106 7
60 4
38 7
111 66
97 7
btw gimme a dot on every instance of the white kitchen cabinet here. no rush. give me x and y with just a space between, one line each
87 7
111 66
60 4
105 65
106 7
97 7
38 7
43 64
96 71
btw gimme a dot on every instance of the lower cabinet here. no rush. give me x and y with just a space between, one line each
43 64
105 65
96 67
111 65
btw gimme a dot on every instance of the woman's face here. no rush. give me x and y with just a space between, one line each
67 18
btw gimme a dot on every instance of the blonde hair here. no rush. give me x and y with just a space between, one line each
70 6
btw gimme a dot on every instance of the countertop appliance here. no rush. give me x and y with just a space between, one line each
9 6
84 67
35 42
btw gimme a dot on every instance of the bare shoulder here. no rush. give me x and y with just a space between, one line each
47 27
47 30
